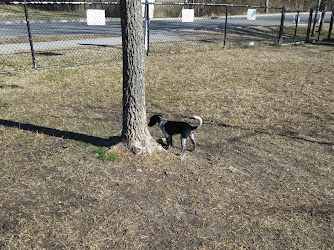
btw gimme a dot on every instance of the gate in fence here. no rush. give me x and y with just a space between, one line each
45 34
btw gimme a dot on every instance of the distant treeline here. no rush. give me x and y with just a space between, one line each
175 10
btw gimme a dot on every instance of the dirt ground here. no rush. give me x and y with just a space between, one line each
261 176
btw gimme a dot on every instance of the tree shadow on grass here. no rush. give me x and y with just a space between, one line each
96 141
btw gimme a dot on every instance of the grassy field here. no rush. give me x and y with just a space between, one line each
261 177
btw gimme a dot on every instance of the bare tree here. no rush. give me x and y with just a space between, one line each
135 133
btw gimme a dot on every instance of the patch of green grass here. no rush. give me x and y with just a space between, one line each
162 194
271 76
94 173
234 80
113 133
104 155
197 197
83 144
287 138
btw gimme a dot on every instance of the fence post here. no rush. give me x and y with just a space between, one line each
315 17
267 5
321 23
30 37
225 28
146 26
297 21
281 29
309 26
331 26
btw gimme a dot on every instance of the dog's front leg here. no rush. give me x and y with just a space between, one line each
168 137
169 141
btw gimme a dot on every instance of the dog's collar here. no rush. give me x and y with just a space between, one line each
162 121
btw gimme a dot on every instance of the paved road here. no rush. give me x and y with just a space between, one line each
161 29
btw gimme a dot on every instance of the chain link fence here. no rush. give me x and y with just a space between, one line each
312 26
46 34
51 34
218 30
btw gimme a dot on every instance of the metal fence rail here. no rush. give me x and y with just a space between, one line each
45 34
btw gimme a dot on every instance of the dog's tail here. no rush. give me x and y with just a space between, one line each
200 122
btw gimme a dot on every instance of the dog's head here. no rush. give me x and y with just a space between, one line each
155 119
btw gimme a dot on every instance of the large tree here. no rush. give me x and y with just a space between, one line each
135 133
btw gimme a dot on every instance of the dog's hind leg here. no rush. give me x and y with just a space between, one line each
183 145
192 138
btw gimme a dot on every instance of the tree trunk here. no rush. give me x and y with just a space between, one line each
135 133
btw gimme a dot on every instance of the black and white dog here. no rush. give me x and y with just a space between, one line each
170 128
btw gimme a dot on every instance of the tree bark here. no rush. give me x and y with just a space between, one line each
135 133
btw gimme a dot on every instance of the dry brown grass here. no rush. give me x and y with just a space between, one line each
50 38
261 178
60 57
16 13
